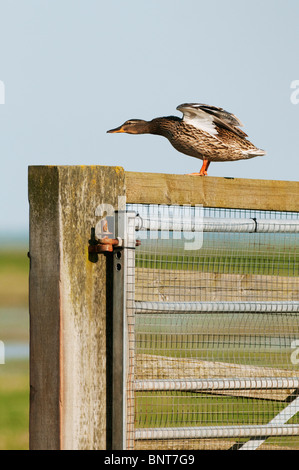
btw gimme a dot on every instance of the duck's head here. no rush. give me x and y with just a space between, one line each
133 126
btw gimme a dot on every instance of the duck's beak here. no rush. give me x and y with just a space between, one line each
117 129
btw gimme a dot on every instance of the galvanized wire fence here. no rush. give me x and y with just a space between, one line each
214 334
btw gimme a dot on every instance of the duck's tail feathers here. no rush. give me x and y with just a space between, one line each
250 153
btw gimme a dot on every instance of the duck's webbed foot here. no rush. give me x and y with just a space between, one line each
203 170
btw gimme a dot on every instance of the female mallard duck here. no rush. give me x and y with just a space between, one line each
204 132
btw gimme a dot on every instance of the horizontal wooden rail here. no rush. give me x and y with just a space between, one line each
235 193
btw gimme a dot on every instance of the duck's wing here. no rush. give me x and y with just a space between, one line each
208 118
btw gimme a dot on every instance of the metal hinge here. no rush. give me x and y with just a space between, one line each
105 244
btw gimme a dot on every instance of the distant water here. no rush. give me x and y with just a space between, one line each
16 351
14 240
14 333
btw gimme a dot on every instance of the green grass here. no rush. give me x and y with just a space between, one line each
249 357
250 339
16 260
14 406
14 271
176 409
183 409
14 324
14 327
272 265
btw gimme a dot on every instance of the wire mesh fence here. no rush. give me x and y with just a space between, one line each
216 331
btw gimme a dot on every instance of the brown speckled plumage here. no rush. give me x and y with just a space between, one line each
205 132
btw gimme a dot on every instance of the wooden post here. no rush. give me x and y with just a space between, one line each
69 307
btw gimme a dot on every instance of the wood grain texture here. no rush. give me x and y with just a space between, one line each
157 188
156 285
44 297
69 307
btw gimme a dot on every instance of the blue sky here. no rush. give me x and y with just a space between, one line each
74 68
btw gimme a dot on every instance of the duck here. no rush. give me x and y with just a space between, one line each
206 132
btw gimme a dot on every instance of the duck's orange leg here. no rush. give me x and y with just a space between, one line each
203 170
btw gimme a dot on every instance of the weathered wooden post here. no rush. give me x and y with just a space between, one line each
69 308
